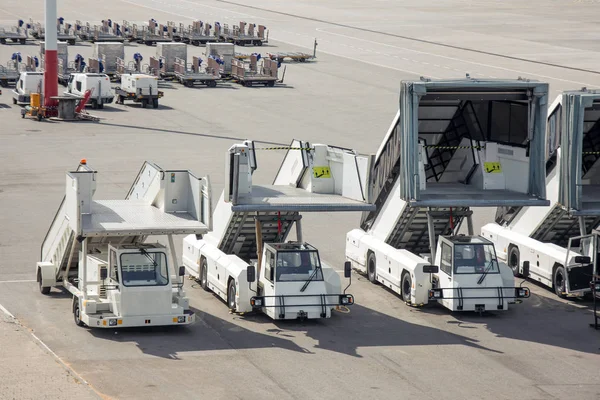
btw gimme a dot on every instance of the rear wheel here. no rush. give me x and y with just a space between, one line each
121 99
406 286
144 103
155 103
231 295
514 260
43 289
212 84
372 267
559 282
14 101
204 275
94 104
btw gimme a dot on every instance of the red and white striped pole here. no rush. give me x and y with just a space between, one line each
51 54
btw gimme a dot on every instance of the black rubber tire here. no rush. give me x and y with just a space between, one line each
204 275
212 84
231 295
259 43
121 99
14 101
559 282
514 260
144 103
155 103
271 83
248 83
23 41
94 104
100 106
3 41
372 267
45 290
77 313
406 285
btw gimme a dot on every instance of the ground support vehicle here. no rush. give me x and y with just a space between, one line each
196 34
97 249
437 162
139 88
98 84
132 67
16 34
28 83
254 73
195 75
550 240
66 32
153 33
281 57
109 31
246 260
244 34
223 54
9 73
595 286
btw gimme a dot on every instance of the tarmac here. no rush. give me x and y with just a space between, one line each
383 349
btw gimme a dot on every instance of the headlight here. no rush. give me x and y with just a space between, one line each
256 302
522 292
181 319
112 322
436 294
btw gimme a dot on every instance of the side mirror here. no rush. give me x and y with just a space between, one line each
251 273
575 243
525 272
181 271
430 269
103 273
583 260
347 269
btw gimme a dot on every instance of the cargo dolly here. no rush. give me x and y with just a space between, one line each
196 34
294 56
9 73
194 75
152 34
107 32
239 36
65 32
248 74
16 34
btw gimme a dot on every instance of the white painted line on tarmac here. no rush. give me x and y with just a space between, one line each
5 311
19 281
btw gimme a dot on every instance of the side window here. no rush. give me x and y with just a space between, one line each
446 266
79 86
269 266
114 272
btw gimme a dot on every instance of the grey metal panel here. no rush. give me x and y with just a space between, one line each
287 198
132 217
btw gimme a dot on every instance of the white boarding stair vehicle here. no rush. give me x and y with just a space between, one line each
246 260
452 147
97 249
553 245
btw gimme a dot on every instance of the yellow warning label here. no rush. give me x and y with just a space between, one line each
492 167
321 172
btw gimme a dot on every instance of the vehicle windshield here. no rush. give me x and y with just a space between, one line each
475 259
144 269
298 266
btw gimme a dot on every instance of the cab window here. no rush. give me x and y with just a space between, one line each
446 266
269 265
114 272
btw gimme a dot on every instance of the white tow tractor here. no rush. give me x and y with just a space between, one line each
97 249
246 259
550 245
99 84
436 162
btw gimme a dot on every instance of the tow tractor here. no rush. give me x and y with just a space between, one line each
245 259
453 145
97 249
551 245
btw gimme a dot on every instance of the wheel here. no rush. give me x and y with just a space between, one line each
43 289
406 286
212 84
231 295
121 99
248 83
514 260
204 275
372 267
559 282
195 43
271 83
39 117
77 313
101 106
14 101
94 104
259 43
22 41
3 41
155 103
144 103
71 42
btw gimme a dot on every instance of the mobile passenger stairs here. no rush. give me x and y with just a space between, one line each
552 242
246 259
97 249
453 146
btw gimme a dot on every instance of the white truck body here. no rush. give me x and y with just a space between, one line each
99 84
139 84
435 163
245 259
29 82
96 248
545 238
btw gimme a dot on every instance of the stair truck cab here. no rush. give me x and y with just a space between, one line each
550 245
454 145
248 261
97 249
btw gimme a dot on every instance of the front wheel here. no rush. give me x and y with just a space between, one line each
43 289
514 260
204 275
406 286
372 267
77 313
231 295
560 282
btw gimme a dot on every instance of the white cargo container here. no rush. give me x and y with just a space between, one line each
140 88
